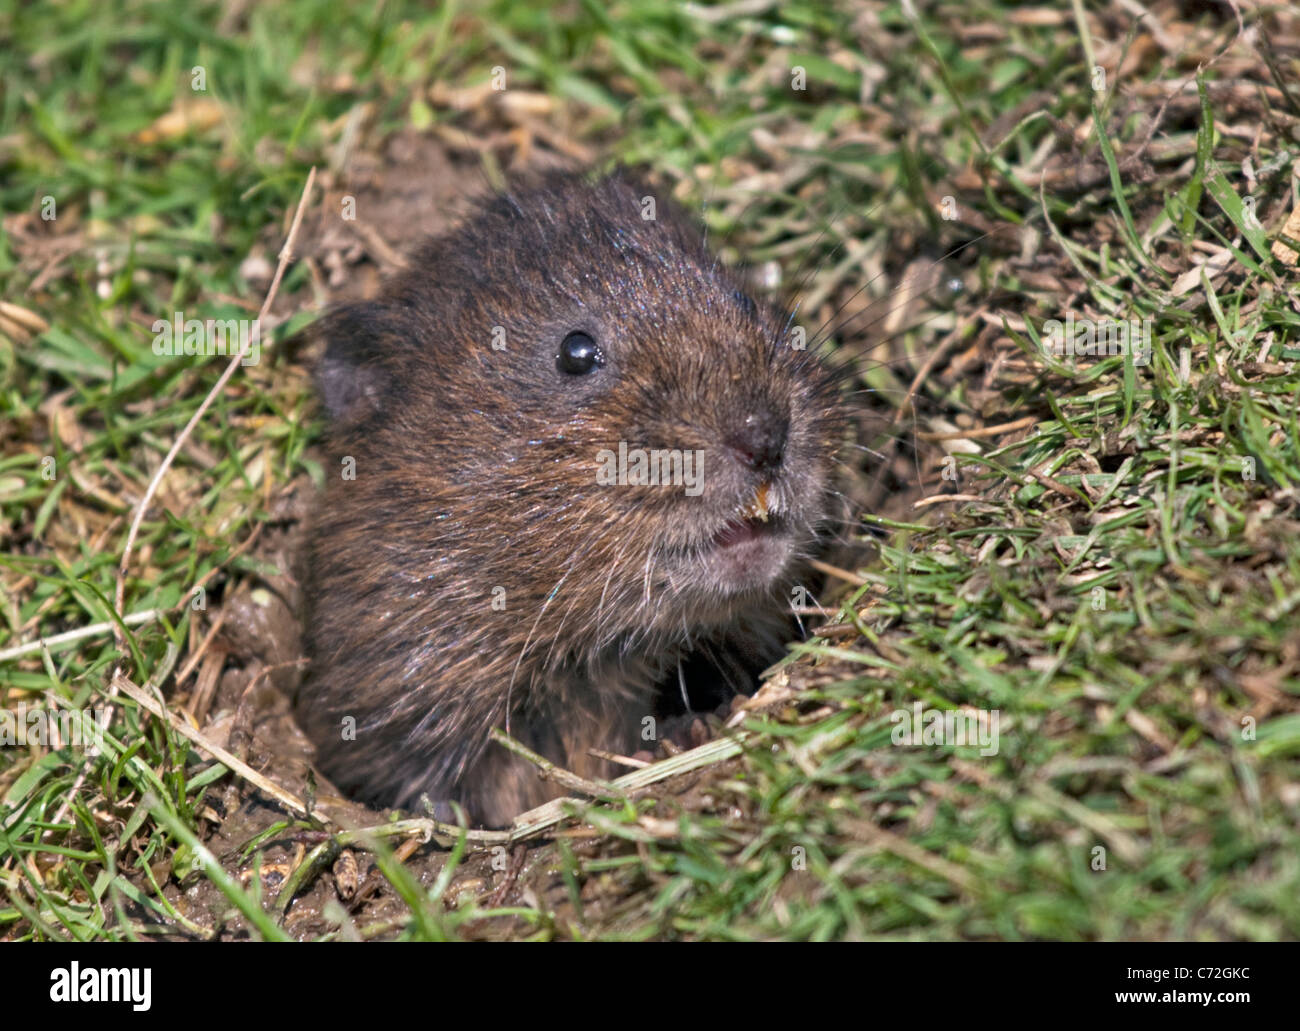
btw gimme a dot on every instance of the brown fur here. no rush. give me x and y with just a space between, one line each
475 470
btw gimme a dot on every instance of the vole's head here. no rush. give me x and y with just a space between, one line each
548 366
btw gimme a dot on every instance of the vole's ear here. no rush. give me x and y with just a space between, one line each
358 371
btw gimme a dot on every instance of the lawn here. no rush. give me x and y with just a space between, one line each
1092 559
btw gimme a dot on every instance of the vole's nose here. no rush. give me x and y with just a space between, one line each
759 442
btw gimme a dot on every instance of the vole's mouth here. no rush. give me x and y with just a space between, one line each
746 554
751 549
739 532
753 519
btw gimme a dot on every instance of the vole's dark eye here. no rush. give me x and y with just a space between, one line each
579 355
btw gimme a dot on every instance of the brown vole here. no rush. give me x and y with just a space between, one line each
473 564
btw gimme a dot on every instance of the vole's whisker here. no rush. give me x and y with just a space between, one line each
830 327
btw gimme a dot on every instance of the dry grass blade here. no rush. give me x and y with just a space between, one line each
285 798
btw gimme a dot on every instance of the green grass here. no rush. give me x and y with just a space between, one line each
1123 592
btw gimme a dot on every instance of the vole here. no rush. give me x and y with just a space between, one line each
489 553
